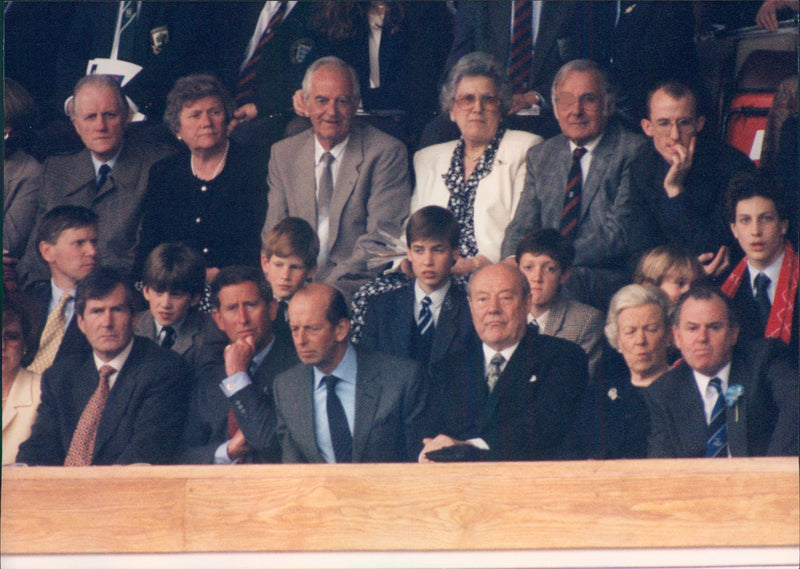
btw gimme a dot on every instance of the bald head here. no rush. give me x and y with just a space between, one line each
100 115
499 300
319 324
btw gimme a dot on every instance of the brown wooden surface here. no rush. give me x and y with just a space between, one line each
437 507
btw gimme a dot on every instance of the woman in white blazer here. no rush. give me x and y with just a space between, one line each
21 388
480 176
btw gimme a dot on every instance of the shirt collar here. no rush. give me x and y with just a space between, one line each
259 358
336 151
177 326
97 163
589 146
703 380
118 361
437 296
773 271
56 292
345 371
488 353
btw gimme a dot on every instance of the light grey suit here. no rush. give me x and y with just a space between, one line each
602 241
578 323
372 191
70 180
21 177
390 401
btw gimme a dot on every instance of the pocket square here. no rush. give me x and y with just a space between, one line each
532 379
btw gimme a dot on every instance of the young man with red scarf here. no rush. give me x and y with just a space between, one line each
763 285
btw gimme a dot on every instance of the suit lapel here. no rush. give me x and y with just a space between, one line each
304 167
736 419
603 154
446 326
125 174
555 320
690 417
549 25
367 395
191 329
404 328
346 178
303 419
81 176
120 396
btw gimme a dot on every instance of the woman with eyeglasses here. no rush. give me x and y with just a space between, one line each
21 388
480 176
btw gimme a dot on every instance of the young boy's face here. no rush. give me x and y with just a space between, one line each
286 275
169 308
676 282
432 261
545 276
759 230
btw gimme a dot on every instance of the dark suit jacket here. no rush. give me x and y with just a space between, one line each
372 192
207 425
747 310
91 35
74 342
486 26
390 401
70 180
143 417
696 219
532 412
389 326
767 422
189 343
602 242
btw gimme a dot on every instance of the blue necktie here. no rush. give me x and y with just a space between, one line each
572 196
762 298
341 437
425 323
717 441
102 175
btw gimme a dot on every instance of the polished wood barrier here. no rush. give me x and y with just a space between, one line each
436 507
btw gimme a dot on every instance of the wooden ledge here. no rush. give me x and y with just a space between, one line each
744 502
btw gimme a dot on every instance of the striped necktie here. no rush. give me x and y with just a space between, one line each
425 316
245 90
572 196
521 55
717 441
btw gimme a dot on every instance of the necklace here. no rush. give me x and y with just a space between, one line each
475 159
217 170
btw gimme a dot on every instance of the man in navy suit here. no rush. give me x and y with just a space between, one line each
521 400
344 404
427 319
122 403
757 381
232 416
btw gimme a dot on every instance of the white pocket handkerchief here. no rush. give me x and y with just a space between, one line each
532 379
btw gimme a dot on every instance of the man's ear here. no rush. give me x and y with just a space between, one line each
647 127
342 329
310 274
562 280
701 122
45 249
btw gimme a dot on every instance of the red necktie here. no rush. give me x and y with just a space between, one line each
519 61
572 195
244 88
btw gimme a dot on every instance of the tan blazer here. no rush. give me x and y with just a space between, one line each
20 412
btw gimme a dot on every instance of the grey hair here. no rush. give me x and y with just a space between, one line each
100 80
190 89
476 64
584 65
334 62
633 296
513 269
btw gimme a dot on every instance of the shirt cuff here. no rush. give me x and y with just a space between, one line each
479 442
221 455
233 384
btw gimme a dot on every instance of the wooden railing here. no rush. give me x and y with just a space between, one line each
435 507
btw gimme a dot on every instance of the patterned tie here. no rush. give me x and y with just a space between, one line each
53 333
519 61
325 186
245 90
572 196
495 369
341 437
102 175
762 282
81 449
167 337
425 323
717 441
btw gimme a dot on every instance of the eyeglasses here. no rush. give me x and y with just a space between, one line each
488 102
9 336
587 100
684 126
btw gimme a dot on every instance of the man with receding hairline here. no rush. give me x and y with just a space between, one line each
109 176
344 404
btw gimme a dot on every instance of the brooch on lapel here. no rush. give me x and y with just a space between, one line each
613 394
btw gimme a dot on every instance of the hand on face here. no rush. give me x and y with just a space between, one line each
239 355
681 162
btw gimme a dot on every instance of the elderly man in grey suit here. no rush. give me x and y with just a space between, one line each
578 182
343 404
346 178
109 176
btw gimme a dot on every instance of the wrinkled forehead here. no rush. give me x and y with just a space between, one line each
101 95
579 82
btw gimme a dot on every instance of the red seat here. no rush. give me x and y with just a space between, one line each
745 121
